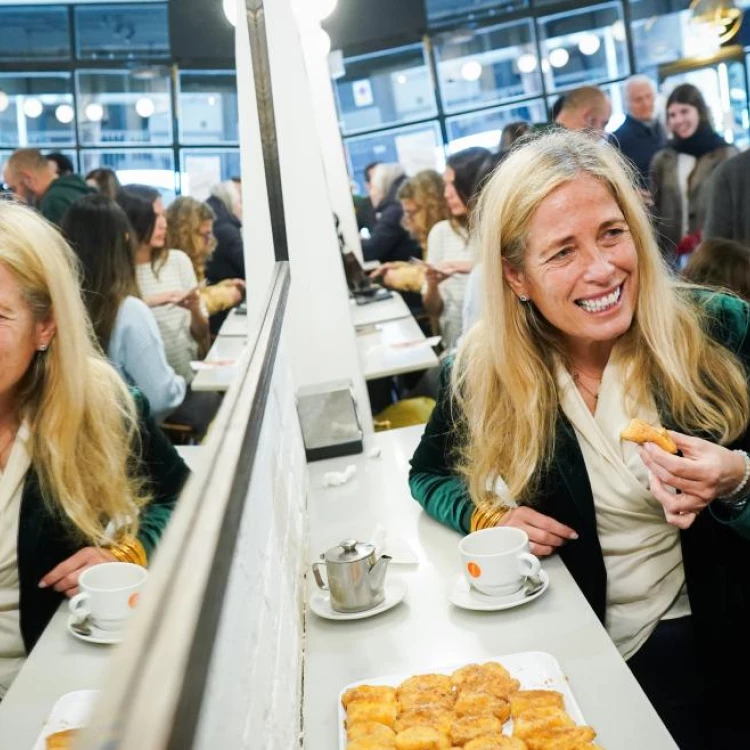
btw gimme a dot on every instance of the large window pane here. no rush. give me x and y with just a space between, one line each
484 128
208 107
36 109
154 167
34 34
415 147
441 11
116 32
584 46
491 65
119 107
385 89
204 168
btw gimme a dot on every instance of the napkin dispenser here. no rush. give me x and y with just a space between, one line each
329 421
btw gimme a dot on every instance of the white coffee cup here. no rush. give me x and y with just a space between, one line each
109 593
497 561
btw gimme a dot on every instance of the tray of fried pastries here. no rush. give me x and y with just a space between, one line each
515 702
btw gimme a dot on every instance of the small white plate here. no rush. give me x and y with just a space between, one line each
320 603
466 597
106 637
71 711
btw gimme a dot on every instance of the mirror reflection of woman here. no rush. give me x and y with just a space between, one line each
583 328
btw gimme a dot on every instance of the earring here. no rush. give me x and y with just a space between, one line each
523 298
43 348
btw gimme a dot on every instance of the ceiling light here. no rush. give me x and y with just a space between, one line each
325 43
526 63
4 101
589 43
33 108
471 70
145 107
618 31
94 112
559 57
230 11
401 78
65 114
323 8
211 101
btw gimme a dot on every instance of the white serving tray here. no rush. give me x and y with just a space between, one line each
535 670
71 711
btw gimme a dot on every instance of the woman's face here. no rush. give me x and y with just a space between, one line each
455 204
410 212
205 237
682 119
581 265
20 335
159 235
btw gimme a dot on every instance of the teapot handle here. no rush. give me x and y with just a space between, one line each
319 578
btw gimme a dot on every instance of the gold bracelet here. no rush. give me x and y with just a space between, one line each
130 550
483 518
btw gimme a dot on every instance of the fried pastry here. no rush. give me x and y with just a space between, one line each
438 683
422 738
365 744
524 700
476 673
533 721
370 711
62 740
471 703
423 698
569 738
375 693
495 742
641 432
370 730
500 687
470 727
429 716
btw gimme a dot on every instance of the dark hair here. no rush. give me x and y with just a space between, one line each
106 181
100 233
511 133
686 93
557 106
64 164
720 263
138 203
467 168
367 171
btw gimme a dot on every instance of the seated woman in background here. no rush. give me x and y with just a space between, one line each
227 261
583 330
723 264
78 450
104 181
99 232
190 229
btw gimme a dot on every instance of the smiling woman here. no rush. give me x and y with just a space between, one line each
583 330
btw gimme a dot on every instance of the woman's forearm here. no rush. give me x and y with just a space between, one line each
432 301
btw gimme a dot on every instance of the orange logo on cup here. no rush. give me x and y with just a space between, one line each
133 599
474 570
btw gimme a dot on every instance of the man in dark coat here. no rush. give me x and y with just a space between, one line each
728 200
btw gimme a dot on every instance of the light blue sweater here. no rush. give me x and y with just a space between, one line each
137 351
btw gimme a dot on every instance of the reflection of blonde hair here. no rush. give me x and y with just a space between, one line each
426 189
230 194
184 218
82 417
382 178
504 374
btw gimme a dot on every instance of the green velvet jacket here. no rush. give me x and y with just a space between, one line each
716 550
46 539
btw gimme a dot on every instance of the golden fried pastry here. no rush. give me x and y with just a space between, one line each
437 683
427 716
533 721
370 711
422 738
62 740
570 738
500 687
470 727
495 742
476 673
471 703
417 699
365 744
406 277
370 730
375 693
641 432
523 700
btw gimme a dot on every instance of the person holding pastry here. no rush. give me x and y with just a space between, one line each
585 330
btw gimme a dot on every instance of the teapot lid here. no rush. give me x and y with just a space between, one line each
350 550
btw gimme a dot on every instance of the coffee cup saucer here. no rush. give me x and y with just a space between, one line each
320 602
464 596
105 637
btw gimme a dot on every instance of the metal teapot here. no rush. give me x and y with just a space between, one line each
356 579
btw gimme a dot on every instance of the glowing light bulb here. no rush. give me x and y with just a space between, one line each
559 57
94 112
230 11
526 63
589 44
145 107
323 8
65 114
33 108
471 70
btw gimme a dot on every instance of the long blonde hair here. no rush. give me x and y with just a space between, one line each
503 378
426 189
81 415
184 217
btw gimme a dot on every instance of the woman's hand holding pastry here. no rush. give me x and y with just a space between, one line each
704 472
64 577
545 534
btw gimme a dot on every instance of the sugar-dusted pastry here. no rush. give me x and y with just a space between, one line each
365 744
370 730
422 738
524 700
62 740
536 720
571 738
641 432
439 683
495 742
371 711
470 727
470 703
376 693
427 716
476 673
425 698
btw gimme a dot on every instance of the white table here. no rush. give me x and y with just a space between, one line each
427 631
220 377
380 353
376 312
234 325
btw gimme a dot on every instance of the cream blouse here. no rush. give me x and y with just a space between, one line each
12 651
642 553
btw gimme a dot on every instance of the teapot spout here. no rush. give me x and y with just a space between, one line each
376 576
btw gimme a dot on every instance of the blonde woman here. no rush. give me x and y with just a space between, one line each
190 226
583 329
77 450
